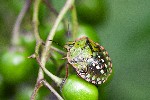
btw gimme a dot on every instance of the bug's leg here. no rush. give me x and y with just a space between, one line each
67 66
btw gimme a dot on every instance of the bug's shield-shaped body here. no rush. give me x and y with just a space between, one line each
90 60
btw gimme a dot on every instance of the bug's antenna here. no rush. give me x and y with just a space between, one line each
68 30
68 26
56 43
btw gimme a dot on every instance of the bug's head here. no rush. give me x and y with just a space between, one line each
69 45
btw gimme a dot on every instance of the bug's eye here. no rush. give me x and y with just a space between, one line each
71 45
68 46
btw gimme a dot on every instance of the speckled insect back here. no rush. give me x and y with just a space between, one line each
90 60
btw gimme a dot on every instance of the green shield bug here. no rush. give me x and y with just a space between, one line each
90 60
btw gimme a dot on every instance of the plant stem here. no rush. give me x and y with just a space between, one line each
16 29
38 44
35 20
52 89
36 33
37 87
45 52
48 4
52 9
53 77
74 22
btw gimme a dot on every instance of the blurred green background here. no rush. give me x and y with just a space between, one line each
126 35
124 31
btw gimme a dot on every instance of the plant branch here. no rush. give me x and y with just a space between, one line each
66 7
48 4
35 20
36 33
39 84
53 77
37 87
38 44
52 89
52 9
16 29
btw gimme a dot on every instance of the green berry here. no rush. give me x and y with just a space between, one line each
75 88
15 66
91 11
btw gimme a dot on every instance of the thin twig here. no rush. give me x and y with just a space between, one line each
52 9
36 33
48 4
38 44
58 72
37 87
52 89
53 77
16 29
35 19
32 56
45 52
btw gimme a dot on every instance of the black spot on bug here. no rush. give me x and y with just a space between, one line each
105 69
88 43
